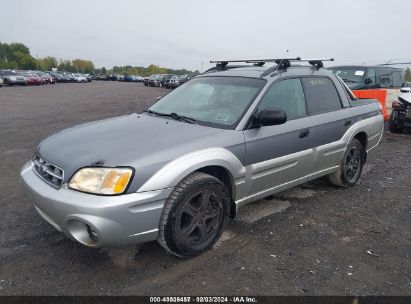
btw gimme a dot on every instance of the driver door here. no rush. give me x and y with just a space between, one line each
277 155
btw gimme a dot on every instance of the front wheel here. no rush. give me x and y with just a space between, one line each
193 216
351 166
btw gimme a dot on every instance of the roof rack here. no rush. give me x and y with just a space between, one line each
282 63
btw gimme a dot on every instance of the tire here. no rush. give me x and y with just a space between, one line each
199 203
351 166
392 125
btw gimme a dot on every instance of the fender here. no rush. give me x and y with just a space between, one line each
176 170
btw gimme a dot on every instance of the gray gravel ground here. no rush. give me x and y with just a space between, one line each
311 240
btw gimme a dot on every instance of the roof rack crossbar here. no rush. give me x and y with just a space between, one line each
318 63
254 60
282 63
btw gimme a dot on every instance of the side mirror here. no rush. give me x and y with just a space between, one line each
271 117
368 81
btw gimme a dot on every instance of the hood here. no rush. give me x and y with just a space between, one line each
118 141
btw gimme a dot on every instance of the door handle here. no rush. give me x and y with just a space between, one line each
347 122
304 133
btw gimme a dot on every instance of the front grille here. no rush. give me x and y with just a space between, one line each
48 172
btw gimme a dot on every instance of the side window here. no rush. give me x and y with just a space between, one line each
384 78
321 95
397 79
287 95
371 75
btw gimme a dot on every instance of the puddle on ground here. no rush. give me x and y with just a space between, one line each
255 211
296 193
225 236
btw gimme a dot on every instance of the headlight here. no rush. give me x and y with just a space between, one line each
107 181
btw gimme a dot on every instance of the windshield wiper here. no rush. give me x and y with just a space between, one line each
349 80
173 115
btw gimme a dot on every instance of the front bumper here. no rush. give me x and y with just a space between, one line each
96 220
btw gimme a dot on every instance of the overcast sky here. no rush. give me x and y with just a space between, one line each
188 33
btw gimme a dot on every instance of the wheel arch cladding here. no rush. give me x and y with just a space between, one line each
218 162
224 176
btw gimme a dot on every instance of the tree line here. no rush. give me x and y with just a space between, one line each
142 71
16 56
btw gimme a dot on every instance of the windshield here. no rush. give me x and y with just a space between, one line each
354 75
174 77
9 73
27 74
214 101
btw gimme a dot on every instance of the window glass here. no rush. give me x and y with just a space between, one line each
371 75
397 79
216 101
349 74
287 95
384 78
321 95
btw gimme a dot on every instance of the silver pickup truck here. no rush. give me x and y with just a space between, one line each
174 173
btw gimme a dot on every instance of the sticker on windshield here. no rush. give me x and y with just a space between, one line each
359 73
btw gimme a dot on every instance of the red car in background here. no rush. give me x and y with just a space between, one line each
45 77
31 78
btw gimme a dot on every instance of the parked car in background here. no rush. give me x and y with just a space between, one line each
370 77
139 78
59 77
103 77
146 80
173 82
70 77
12 78
165 79
1 82
79 78
88 77
155 80
180 80
47 78
400 118
31 78
184 78
129 78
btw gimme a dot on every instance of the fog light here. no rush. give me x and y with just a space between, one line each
83 233
92 233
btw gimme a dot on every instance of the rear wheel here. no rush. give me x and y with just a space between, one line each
351 166
193 216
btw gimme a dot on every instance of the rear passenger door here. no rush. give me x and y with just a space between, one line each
278 154
329 121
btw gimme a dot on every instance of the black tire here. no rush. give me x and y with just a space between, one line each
392 125
351 166
197 207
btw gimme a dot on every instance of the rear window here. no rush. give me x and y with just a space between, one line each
321 95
